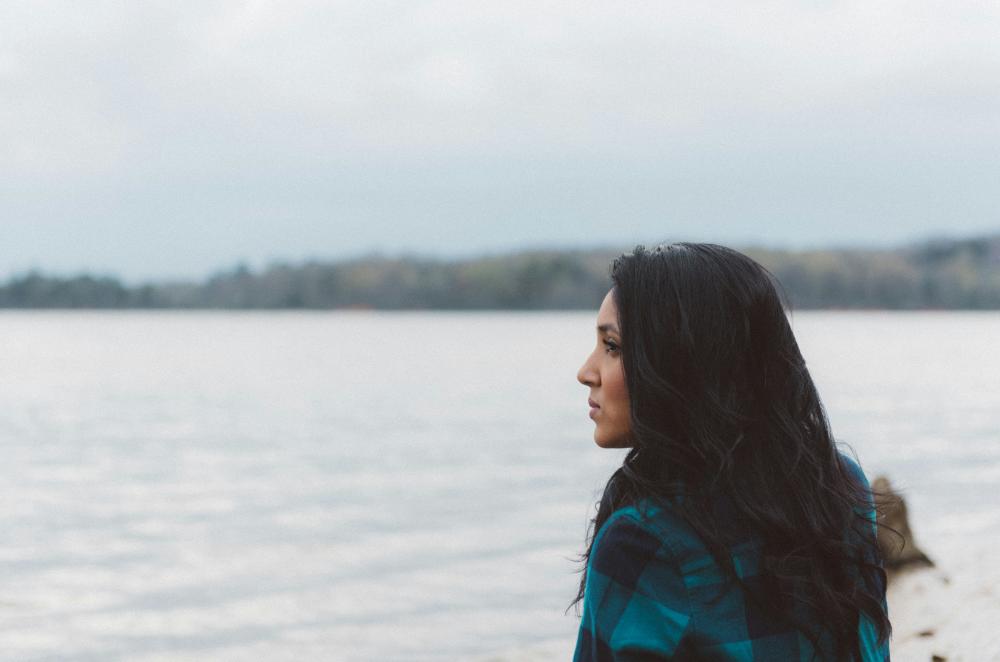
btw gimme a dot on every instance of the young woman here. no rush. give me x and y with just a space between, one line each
734 529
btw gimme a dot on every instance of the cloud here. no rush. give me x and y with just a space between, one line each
203 114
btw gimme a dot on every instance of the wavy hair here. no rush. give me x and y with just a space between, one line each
722 406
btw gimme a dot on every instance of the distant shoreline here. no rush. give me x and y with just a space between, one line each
941 275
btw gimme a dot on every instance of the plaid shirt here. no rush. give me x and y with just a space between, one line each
653 594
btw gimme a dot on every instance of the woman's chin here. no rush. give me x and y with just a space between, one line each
605 442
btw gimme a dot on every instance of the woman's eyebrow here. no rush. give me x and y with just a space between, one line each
607 327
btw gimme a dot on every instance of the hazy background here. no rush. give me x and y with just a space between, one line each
414 485
165 139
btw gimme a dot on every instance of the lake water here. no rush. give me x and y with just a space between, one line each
387 486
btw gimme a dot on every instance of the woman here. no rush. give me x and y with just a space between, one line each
734 529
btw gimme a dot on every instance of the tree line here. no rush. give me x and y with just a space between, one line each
940 274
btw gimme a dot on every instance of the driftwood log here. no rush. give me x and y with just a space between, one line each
895 538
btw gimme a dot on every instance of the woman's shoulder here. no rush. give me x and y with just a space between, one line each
655 516
853 468
651 527
633 533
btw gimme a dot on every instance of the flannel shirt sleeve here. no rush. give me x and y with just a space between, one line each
635 607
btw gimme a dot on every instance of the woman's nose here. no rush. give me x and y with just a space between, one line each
587 375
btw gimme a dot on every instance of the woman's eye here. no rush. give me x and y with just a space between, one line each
611 347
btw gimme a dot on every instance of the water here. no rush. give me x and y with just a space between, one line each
361 486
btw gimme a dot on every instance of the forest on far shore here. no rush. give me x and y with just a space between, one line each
938 274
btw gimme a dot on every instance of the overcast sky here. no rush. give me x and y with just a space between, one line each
160 139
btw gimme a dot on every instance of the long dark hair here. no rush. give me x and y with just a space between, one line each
722 404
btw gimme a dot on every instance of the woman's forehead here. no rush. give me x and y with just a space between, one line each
607 316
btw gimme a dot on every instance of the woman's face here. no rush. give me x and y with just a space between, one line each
602 372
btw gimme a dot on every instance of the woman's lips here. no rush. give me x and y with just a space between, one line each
593 407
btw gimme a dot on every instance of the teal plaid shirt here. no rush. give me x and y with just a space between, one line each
653 594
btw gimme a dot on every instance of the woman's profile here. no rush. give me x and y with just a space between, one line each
735 529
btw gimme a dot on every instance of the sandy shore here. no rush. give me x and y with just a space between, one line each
944 614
